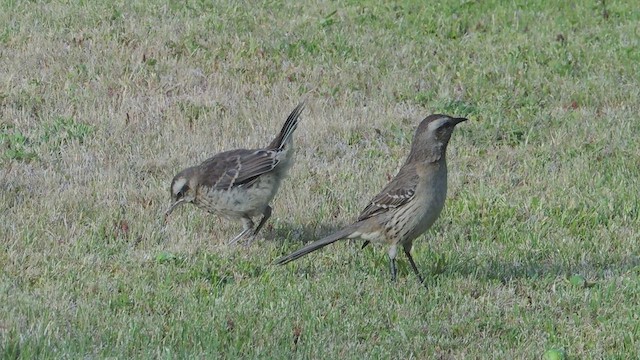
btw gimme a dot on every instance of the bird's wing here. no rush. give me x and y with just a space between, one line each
237 167
399 191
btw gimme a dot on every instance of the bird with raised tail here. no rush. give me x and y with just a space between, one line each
239 184
409 204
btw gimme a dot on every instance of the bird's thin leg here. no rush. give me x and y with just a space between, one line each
265 216
407 251
394 270
392 263
247 225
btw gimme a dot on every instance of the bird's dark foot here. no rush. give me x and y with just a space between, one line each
249 240
244 233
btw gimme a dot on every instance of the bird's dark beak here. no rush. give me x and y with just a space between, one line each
171 208
457 121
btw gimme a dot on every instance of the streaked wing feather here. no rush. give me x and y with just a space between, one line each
397 193
237 167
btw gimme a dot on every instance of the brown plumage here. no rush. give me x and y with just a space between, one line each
411 201
239 184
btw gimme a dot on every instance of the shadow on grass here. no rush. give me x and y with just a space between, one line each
300 235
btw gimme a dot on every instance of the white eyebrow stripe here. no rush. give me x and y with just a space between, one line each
435 124
178 185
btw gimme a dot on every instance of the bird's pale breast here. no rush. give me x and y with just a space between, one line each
420 213
239 201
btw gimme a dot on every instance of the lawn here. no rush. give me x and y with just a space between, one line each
102 103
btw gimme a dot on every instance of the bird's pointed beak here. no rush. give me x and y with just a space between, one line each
457 121
171 208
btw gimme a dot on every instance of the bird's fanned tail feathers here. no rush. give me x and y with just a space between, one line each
318 244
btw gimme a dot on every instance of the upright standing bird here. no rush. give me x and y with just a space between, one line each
238 184
409 204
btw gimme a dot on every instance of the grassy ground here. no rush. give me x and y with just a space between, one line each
102 103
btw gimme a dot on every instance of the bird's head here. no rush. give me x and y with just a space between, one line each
183 188
432 136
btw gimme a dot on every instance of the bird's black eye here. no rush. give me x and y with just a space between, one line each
182 192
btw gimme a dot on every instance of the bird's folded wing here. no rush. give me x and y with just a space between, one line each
238 167
398 192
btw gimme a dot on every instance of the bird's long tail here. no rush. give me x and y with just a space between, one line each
287 129
342 234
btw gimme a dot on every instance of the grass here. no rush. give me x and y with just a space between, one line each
102 103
